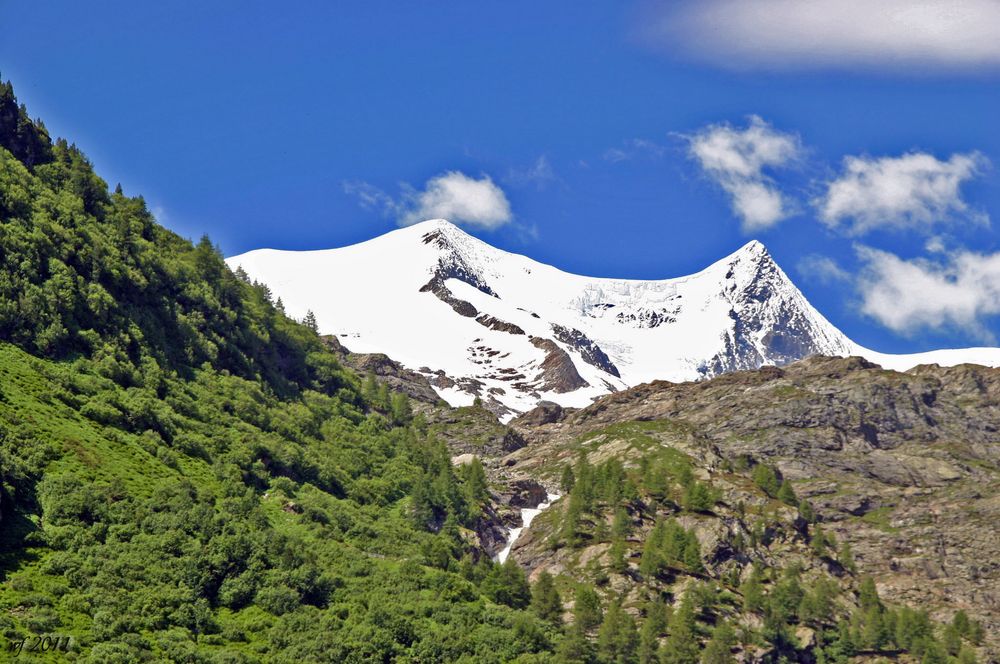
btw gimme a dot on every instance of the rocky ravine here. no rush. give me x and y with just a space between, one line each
904 466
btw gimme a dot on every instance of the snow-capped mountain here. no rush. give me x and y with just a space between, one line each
478 321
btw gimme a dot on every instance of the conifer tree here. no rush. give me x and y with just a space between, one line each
567 480
753 591
616 556
310 320
681 646
720 648
586 608
764 477
697 497
653 627
846 557
786 494
545 601
617 640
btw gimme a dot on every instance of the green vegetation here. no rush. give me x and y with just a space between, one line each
187 475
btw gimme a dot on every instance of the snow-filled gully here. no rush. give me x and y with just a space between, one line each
528 515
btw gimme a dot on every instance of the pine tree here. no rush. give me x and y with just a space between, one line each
934 653
507 584
545 601
846 557
617 639
621 527
868 595
586 608
697 497
966 656
399 409
681 646
654 626
574 648
310 321
764 477
787 495
616 556
571 520
720 648
652 563
951 639
753 591
692 553
567 480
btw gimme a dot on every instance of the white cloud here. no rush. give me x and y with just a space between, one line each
632 148
909 295
453 196
914 191
823 269
736 159
798 34
540 174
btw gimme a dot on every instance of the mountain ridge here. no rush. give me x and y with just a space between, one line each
515 331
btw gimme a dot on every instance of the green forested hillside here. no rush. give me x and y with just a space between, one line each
189 476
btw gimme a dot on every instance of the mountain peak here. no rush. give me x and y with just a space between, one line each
753 250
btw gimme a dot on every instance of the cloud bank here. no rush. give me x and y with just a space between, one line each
736 158
452 195
906 296
799 34
914 191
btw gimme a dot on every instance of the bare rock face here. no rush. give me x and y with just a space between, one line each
394 374
496 324
524 493
589 351
903 466
546 412
558 373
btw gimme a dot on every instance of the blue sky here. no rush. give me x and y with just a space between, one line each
608 132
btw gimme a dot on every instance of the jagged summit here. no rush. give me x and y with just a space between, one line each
478 321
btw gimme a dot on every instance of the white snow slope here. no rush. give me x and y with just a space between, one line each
408 294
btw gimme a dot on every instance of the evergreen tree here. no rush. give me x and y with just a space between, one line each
545 601
697 497
616 556
951 639
567 480
617 639
622 525
574 648
507 584
868 595
934 653
653 627
571 520
966 656
586 608
681 646
310 321
652 562
753 591
399 409
720 648
787 495
961 623
846 557
765 478
692 553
